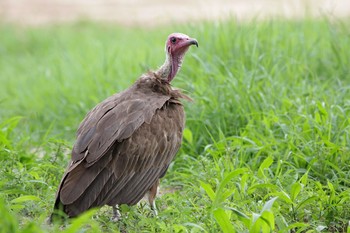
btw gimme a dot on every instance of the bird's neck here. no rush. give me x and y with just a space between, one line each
168 70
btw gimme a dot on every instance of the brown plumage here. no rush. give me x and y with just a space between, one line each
126 143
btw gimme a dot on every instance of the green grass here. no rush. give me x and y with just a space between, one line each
267 144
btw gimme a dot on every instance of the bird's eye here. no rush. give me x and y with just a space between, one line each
173 40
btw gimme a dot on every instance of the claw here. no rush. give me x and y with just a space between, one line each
116 214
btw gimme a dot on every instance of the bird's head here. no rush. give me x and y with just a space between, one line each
176 46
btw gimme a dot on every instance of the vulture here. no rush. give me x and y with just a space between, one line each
126 143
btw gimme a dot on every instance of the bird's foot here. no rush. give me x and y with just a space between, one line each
155 212
116 214
154 209
116 218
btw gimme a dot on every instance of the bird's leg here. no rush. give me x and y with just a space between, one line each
116 214
154 208
152 193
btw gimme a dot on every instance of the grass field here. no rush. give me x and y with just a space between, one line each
267 140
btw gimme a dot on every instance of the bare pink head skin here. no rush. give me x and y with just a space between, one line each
176 46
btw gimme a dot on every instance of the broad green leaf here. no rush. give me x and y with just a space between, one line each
194 225
330 186
322 109
295 190
223 220
304 178
207 188
224 195
256 224
282 195
9 222
264 165
307 201
269 218
239 213
34 174
264 222
244 183
9 124
32 227
25 198
231 175
17 207
268 204
220 193
280 222
262 186
255 217
187 134
318 117
242 217
80 221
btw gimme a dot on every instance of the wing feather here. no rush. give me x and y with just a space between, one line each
117 126
79 178
124 145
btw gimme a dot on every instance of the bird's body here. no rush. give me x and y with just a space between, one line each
126 143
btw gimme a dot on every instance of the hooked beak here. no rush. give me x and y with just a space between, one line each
188 42
193 42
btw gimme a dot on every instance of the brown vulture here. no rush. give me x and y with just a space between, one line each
126 143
